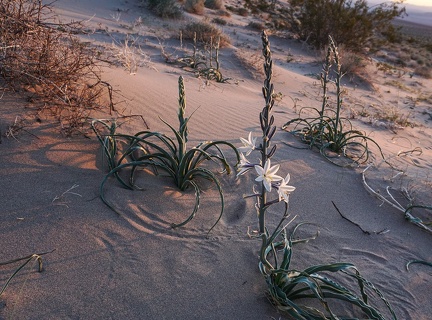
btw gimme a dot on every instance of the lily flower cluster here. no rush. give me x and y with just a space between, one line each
267 174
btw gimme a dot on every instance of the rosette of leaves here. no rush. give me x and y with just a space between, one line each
286 286
291 289
168 155
326 129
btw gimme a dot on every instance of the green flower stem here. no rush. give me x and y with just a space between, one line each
324 80
266 120
338 83
182 121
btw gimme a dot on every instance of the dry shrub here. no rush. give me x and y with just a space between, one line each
223 13
214 4
128 54
194 6
205 33
243 12
424 72
219 21
256 25
47 60
352 63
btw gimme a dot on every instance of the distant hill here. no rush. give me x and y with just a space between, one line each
416 14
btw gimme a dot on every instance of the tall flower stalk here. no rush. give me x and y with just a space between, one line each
267 175
286 285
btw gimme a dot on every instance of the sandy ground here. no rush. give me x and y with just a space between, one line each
135 266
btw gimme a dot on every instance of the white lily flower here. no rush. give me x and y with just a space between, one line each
244 165
284 189
267 174
248 145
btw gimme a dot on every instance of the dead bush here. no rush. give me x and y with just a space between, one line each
424 72
46 59
194 6
205 33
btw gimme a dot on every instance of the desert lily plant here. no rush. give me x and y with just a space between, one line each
286 286
326 129
165 154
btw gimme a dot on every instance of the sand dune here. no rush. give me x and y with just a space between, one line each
134 266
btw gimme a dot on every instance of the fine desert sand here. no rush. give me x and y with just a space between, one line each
134 265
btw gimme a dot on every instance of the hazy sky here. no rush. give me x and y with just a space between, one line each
420 2
414 2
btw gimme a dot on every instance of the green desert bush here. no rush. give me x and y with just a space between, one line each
326 129
60 73
163 153
165 8
194 6
285 285
351 23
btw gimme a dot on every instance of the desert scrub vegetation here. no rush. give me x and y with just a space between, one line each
219 21
326 129
204 31
128 54
241 11
353 64
351 23
44 58
165 8
194 6
285 285
204 63
214 4
207 40
163 153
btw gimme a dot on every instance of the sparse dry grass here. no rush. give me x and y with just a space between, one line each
128 54
412 52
